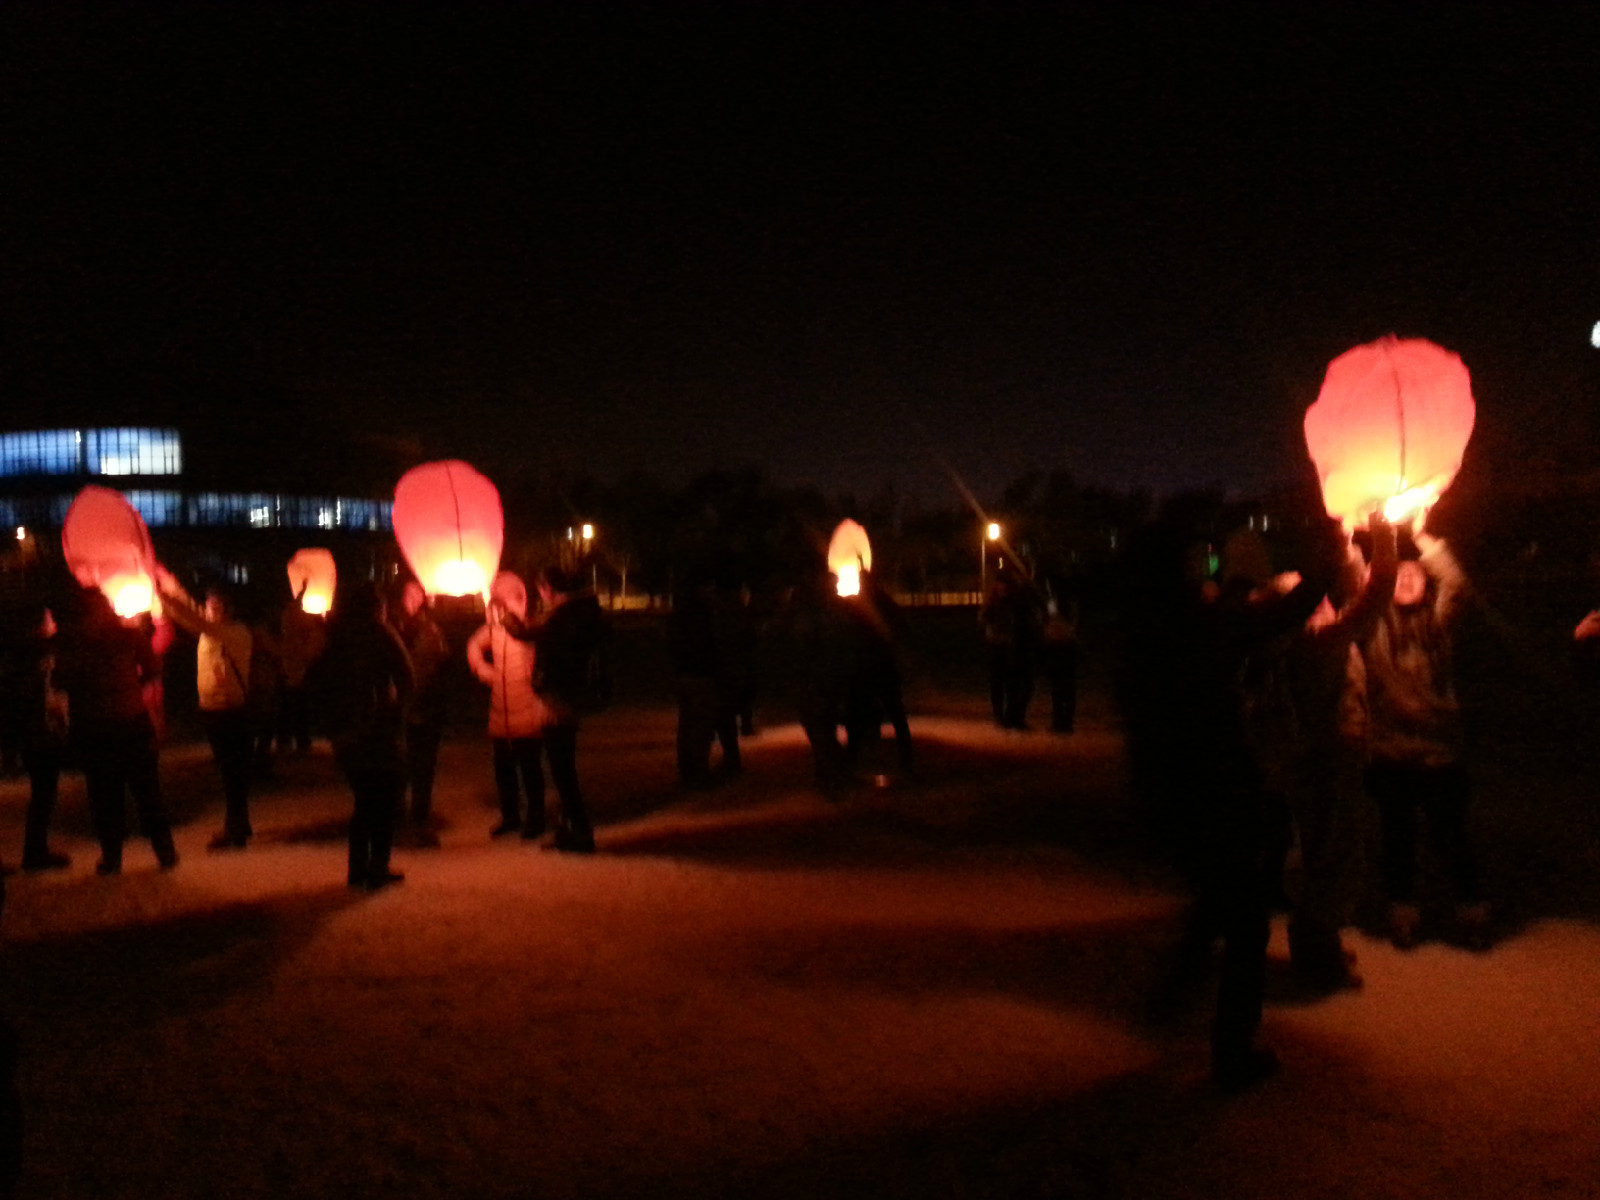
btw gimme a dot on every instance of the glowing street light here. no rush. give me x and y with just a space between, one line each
991 533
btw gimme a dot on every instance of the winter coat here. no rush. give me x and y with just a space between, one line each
428 649
572 643
366 684
101 665
222 659
1414 715
506 665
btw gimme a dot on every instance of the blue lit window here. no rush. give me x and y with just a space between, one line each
42 452
133 452
157 508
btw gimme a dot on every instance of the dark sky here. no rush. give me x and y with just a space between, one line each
1120 240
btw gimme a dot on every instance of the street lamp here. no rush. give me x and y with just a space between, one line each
991 533
586 532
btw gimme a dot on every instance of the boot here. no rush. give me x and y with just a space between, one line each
45 860
166 853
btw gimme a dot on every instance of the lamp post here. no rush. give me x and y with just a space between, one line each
991 533
586 547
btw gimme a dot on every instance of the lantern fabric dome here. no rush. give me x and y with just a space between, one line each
313 577
1389 427
107 545
450 527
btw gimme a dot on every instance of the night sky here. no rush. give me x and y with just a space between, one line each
822 239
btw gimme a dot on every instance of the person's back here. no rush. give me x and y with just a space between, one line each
567 643
366 681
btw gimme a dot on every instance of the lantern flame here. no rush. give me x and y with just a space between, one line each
457 577
130 597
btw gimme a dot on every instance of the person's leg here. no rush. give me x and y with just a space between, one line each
360 868
229 733
573 831
382 792
1244 886
1393 787
422 751
505 783
1326 800
104 781
727 727
43 764
528 753
894 708
697 699
144 782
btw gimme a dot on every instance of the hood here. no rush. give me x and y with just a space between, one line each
509 590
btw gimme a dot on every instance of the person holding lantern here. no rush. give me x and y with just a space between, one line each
572 674
1190 646
222 679
1329 754
302 637
516 714
429 650
103 663
1416 740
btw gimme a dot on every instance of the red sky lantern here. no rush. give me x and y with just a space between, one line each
849 554
1389 428
312 577
448 521
106 545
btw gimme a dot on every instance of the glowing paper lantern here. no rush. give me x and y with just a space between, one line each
312 577
106 545
1389 428
450 527
849 554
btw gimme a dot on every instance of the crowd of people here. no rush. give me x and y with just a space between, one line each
84 689
1270 710
1266 711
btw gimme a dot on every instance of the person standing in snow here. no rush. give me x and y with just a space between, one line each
429 651
572 646
1416 738
366 687
516 713
103 663
222 679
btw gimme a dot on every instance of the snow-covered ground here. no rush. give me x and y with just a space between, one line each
930 988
